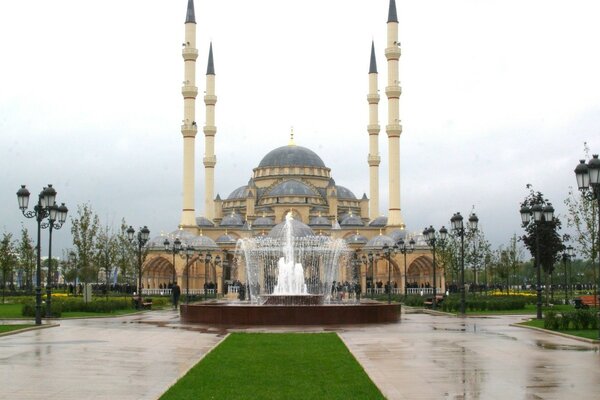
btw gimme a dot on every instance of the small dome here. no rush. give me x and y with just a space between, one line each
204 222
232 220
187 239
344 193
356 239
263 221
291 156
398 234
299 229
291 188
319 221
352 220
378 241
379 222
239 193
226 239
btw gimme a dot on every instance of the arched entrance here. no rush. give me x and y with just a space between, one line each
158 273
420 274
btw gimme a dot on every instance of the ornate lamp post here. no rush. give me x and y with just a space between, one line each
139 240
459 229
368 261
188 251
540 215
207 259
388 252
432 239
566 256
404 249
588 181
173 249
45 208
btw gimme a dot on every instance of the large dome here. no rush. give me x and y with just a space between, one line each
291 156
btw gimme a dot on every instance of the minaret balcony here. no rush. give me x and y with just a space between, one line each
393 91
373 98
189 130
373 161
210 130
210 100
189 54
189 91
373 129
210 161
392 53
393 130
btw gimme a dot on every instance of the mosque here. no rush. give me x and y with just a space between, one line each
292 179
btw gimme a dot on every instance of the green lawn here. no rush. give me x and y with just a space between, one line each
529 309
586 333
277 366
8 328
10 310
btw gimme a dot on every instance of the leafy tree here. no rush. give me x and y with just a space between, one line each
106 253
8 260
550 242
476 248
84 229
27 258
125 254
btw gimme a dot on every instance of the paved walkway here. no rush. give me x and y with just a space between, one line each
423 357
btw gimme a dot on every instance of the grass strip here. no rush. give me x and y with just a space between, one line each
9 328
584 333
277 366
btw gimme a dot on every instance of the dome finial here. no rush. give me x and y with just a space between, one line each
291 143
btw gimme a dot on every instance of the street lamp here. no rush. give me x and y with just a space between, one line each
140 240
188 251
173 249
207 259
459 228
540 215
566 256
368 261
388 251
57 215
404 249
588 181
432 239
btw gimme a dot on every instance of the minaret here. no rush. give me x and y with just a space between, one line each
210 160
189 128
373 129
393 128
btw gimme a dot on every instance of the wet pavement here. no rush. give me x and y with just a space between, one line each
423 357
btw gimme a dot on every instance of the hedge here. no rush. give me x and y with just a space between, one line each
571 320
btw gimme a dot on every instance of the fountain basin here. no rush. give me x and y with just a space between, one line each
230 314
292 299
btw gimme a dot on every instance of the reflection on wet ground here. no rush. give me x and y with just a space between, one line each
423 357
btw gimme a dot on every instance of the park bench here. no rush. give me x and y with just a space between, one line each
586 301
146 303
429 301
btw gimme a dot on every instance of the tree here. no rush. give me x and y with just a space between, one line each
8 260
106 253
84 229
476 248
27 257
125 257
514 254
550 242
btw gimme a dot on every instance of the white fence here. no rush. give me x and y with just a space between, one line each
167 292
419 291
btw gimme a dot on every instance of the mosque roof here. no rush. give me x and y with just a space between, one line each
379 222
344 193
319 221
226 239
232 220
299 229
198 242
291 155
210 69
356 239
398 234
263 221
392 15
292 187
190 15
204 222
373 64
378 241
239 193
352 220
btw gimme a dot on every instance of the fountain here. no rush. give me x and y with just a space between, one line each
290 278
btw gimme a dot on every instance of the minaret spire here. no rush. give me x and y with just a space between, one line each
189 128
393 128
210 130
373 129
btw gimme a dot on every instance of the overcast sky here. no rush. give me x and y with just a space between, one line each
496 94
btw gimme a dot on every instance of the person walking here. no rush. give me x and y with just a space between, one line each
175 294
